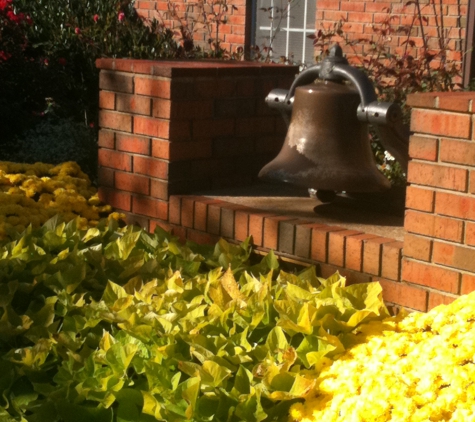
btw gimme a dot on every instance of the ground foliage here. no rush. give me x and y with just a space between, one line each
116 324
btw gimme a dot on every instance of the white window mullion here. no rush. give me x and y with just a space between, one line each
272 26
304 31
288 32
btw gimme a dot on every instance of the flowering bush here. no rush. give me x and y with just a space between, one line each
32 194
49 51
419 368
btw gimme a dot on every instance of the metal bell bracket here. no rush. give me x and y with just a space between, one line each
386 117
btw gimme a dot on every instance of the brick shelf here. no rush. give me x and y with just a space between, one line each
360 257
168 129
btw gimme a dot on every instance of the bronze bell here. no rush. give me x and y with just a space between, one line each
327 145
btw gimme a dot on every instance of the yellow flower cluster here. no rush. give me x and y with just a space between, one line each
416 369
33 193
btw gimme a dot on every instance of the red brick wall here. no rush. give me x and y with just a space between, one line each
233 34
176 127
360 17
439 247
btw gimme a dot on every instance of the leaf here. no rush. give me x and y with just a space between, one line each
298 294
151 406
276 340
242 382
112 293
188 390
230 285
214 374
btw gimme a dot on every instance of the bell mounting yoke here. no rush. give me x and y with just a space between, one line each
385 116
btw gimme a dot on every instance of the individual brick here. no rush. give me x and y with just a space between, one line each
149 126
459 206
134 144
174 211
227 221
458 152
114 120
161 108
404 294
391 260
420 199
468 284
159 189
434 226
150 166
337 246
423 148
153 86
417 247
241 225
431 275
354 251
150 207
214 218
372 254
107 100
436 122
132 183
436 299
435 175
134 104
116 160
187 211
458 257
116 81
106 139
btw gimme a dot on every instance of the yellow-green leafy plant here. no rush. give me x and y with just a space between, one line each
34 193
117 324
414 369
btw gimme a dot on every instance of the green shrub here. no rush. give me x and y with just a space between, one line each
110 324
54 140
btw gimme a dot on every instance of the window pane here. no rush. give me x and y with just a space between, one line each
297 14
289 33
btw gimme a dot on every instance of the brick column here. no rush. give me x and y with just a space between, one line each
175 127
439 247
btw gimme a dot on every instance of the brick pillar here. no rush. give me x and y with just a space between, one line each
175 127
439 246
